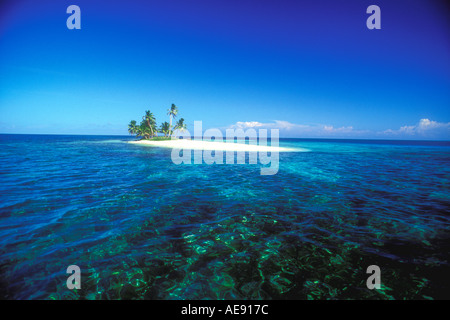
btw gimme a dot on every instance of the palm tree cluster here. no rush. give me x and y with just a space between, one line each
148 129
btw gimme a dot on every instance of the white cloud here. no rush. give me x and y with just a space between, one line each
426 128
426 124
247 124
332 129
288 129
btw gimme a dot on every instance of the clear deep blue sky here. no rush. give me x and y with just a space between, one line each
311 68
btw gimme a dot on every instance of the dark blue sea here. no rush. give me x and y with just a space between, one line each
141 227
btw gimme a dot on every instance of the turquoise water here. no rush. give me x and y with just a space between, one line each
140 227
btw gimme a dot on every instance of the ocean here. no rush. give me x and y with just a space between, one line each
140 227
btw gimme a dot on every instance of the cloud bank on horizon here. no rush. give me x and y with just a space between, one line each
424 129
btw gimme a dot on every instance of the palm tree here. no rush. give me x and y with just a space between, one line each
150 119
165 128
172 112
139 132
180 125
132 128
145 130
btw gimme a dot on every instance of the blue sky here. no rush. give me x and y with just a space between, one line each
309 68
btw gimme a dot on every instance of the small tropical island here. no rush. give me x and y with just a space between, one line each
147 132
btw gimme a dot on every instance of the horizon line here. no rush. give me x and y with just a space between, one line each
322 138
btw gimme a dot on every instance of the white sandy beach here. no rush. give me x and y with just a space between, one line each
210 145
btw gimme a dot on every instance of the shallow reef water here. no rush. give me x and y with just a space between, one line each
141 227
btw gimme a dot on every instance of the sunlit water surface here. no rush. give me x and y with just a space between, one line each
141 227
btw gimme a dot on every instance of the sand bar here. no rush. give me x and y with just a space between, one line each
212 145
